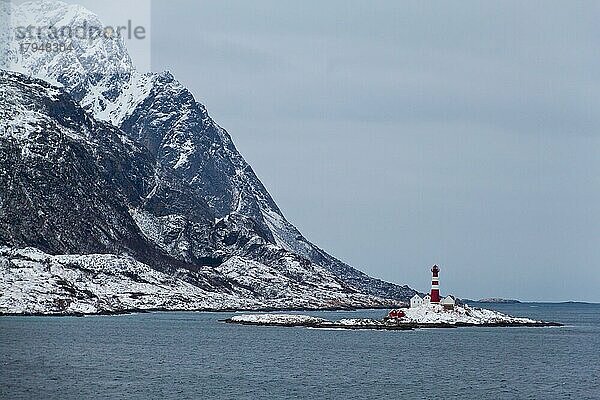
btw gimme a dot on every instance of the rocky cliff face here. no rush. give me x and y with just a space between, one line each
129 164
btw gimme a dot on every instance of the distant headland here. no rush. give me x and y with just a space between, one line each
494 300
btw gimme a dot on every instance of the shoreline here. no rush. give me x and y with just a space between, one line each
255 310
200 310
396 326
251 310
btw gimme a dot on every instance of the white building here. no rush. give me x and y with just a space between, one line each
448 302
416 301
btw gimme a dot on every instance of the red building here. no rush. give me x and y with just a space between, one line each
396 314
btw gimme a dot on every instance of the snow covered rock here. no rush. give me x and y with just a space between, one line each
435 314
93 71
277 319
33 282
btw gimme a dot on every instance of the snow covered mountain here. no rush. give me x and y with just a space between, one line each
116 167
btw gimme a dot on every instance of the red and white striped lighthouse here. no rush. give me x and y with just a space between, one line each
435 285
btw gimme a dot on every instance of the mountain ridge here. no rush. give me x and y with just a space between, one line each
193 200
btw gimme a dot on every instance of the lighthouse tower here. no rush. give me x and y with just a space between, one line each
435 285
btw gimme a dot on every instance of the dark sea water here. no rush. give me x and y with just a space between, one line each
193 356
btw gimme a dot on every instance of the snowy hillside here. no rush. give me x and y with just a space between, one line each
34 282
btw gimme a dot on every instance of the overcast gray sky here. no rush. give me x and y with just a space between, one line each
397 134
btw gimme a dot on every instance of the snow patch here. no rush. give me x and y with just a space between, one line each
435 314
287 319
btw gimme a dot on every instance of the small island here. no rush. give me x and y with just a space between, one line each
424 316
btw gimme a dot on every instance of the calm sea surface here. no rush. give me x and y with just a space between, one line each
193 356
